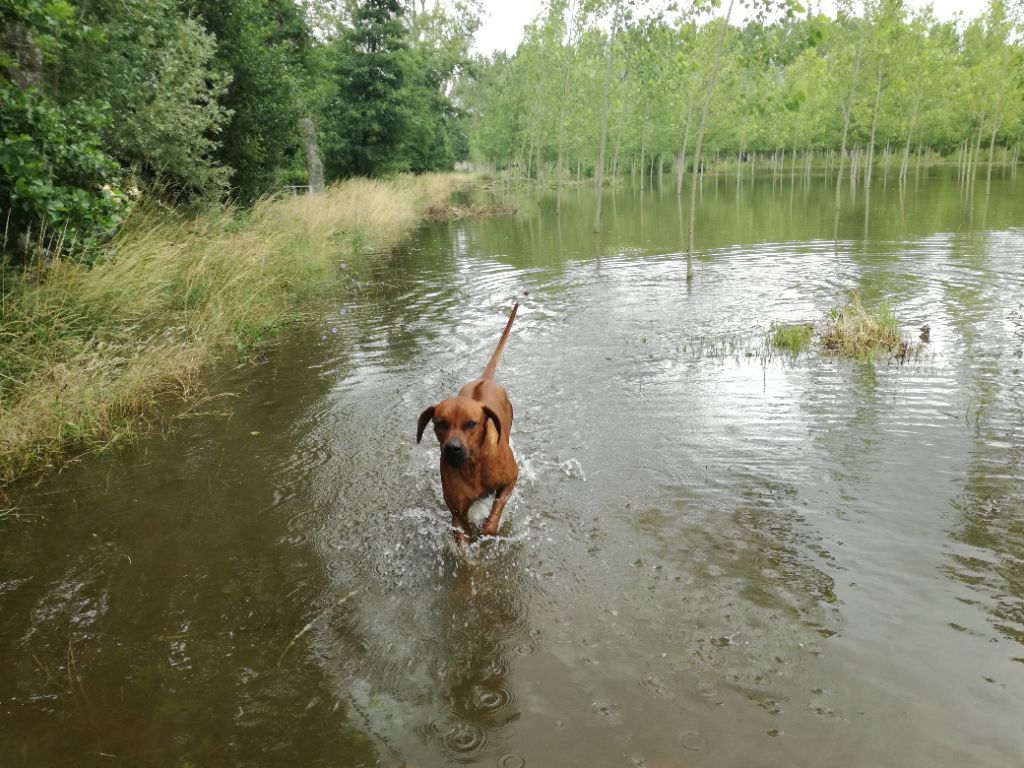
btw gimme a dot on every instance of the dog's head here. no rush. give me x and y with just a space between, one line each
461 426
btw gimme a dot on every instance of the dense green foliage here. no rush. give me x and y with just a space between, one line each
370 80
880 78
53 171
205 99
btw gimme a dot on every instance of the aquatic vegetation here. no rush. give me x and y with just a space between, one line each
792 337
853 331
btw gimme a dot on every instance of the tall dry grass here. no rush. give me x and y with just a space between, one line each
85 352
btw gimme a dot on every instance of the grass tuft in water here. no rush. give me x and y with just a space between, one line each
792 338
853 331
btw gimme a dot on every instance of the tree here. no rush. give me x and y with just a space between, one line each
434 134
370 78
56 181
261 47
154 68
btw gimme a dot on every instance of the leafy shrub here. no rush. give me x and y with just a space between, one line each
55 179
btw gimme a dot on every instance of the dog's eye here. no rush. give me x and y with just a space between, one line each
441 425
469 425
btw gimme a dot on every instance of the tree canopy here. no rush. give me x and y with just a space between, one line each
213 99
787 79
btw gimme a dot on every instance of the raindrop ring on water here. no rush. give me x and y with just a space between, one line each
694 741
492 700
707 690
464 740
511 760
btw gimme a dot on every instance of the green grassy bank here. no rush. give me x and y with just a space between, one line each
86 352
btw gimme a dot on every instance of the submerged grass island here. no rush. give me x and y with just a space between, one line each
850 331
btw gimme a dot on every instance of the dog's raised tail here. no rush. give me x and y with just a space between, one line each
492 364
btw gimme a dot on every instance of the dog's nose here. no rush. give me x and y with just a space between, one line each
455 453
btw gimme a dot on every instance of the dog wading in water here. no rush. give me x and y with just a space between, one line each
476 459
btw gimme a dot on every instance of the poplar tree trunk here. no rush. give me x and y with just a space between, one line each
561 141
313 162
643 163
700 141
573 40
599 171
618 143
681 169
975 153
906 149
870 160
847 109
996 119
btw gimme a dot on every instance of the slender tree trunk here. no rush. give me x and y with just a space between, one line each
561 140
793 162
599 171
885 166
870 159
700 141
910 134
681 170
313 163
573 40
847 109
996 120
618 142
643 162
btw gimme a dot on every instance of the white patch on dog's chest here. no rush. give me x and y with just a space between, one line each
480 509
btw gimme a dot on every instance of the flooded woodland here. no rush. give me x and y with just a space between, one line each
717 554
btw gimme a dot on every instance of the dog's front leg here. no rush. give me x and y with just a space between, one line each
500 500
461 529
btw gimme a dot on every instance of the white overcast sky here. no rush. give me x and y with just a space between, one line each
503 20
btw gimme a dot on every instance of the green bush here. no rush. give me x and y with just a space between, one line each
55 180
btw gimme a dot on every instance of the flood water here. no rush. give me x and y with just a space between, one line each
714 556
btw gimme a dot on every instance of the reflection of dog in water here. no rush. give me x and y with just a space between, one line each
476 459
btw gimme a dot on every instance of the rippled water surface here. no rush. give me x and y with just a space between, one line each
714 556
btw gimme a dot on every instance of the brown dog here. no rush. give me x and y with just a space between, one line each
476 459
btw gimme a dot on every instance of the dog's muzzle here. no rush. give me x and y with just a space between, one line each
455 453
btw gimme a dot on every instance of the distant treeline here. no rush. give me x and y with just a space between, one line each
213 99
235 99
608 86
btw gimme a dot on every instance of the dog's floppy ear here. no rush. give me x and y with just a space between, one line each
490 414
425 417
